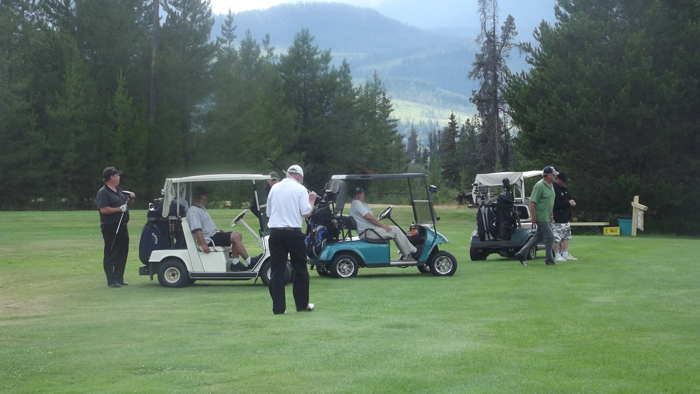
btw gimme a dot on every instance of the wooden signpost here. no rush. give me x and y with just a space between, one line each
637 216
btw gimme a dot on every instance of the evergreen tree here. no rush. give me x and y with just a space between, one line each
613 99
450 162
490 69
184 78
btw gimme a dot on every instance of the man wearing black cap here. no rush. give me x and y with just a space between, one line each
114 215
270 182
562 216
541 205
203 229
369 227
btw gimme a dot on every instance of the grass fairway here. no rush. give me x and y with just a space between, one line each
624 318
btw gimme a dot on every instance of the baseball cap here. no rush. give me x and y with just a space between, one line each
563 177
273 175
200 191
549 170
295 169
357 191
109 171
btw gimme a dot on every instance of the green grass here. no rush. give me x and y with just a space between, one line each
624 318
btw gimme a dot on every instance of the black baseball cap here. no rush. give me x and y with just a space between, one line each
109 171
200 191
357 191
563 177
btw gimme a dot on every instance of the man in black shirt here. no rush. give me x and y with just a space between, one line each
562 216
114 215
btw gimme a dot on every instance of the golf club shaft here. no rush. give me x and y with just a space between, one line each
285 172
117 232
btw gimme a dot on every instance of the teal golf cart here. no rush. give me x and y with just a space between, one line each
335 249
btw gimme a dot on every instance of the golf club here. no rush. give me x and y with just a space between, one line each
117 232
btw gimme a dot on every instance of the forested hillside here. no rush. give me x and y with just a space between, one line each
416 66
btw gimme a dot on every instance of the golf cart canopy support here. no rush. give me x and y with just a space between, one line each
516 179
176 188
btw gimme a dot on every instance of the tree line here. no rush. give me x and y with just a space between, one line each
612 98
75 97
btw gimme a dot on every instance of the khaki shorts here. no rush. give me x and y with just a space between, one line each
561 231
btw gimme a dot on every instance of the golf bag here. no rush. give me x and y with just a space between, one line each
506 216
161 233
498 220
321 227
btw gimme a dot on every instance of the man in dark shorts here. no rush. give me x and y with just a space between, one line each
203 228
114 215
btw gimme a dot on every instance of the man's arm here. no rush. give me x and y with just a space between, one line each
312 202
200 238
533 213
376 222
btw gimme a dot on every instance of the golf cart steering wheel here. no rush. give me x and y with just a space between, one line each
385 213
238 218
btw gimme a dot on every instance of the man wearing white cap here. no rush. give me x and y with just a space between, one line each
287 203
541 205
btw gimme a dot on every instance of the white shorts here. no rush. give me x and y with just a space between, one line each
561 231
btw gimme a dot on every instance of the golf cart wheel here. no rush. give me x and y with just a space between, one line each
424 269
266 272
476 255
532 253
173 273
322 270
344 266
443 264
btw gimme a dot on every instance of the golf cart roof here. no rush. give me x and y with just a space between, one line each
176 188
496 178
369 177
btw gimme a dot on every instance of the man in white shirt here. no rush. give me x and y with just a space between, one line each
369 227
287 203
203 228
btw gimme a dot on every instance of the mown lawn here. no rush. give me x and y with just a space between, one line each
624 318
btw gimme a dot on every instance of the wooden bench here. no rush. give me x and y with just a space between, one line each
598 225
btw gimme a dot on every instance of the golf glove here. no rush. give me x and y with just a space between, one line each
123 208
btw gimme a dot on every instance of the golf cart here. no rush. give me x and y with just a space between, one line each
169 249
503 221
333 250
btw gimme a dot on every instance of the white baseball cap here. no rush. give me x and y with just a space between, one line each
295 169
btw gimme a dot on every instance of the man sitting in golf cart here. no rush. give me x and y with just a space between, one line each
206 233
369 227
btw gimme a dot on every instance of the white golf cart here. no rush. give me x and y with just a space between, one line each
182 261
491 236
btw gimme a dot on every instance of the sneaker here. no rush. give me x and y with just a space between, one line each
570 257
254 260
239 267
521 259
559 259
552 263
309 308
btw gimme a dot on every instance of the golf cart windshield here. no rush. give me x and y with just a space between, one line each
423 210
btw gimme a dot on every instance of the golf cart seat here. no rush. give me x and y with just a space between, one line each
349 223
186 230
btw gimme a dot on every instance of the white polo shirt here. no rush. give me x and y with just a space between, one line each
287 202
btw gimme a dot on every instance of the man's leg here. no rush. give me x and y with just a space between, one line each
109 260
121 248
278 262
546 230
297 253
522 254
402 242
237 247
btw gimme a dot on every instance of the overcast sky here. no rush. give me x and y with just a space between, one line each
222 6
